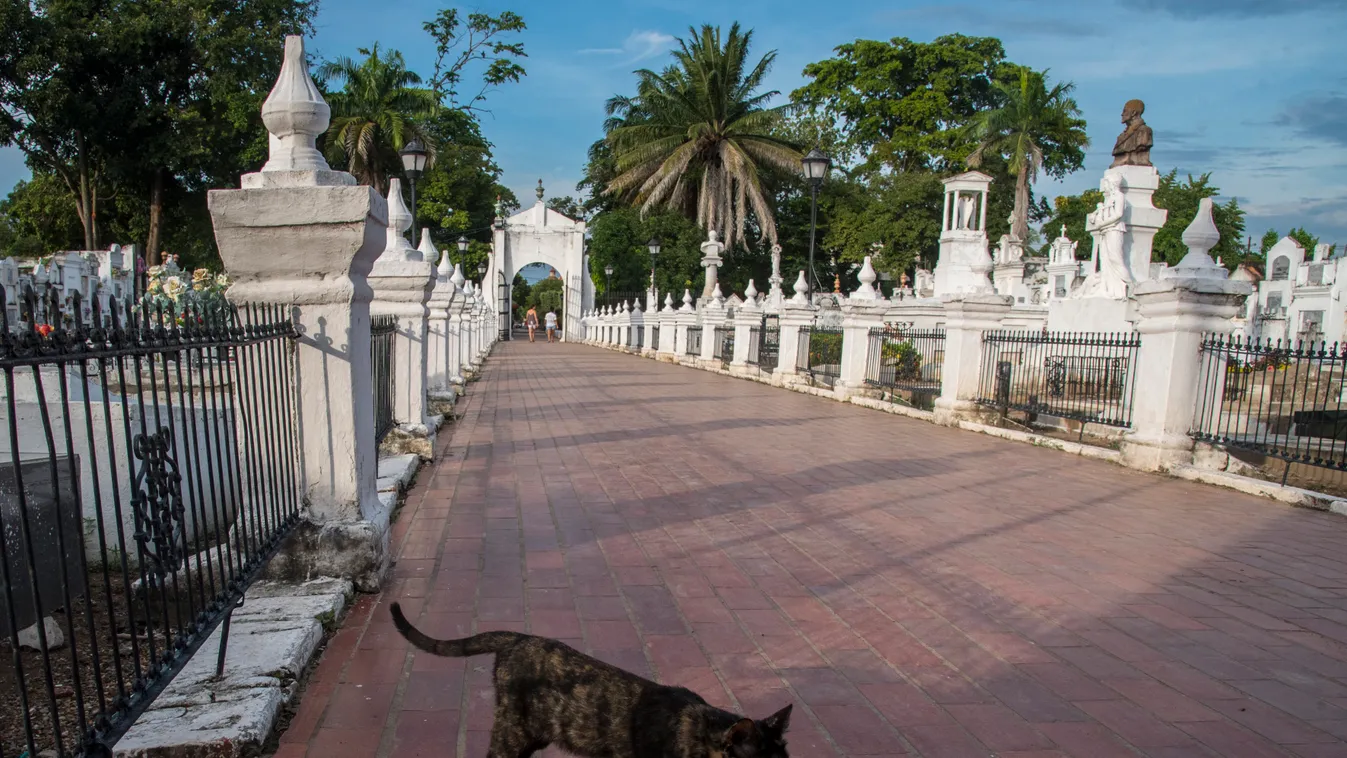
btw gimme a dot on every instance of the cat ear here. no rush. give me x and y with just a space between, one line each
739 732
778 722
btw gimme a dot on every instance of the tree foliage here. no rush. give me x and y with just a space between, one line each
697 137
481 39
1181 198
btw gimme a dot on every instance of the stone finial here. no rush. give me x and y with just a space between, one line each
457 278
539 192
636 305
1200 237
668 302
801 290
717 295
687 300
625 309
866 291
427 248
295 114
399 221
751 294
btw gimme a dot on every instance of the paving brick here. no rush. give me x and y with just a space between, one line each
884 574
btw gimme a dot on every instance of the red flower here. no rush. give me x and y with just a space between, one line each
44 329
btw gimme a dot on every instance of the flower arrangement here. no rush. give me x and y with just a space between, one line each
175 294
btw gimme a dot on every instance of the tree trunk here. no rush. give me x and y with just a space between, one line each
152 251
83 203
1020 229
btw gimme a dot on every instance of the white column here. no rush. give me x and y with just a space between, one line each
437 327
745 319
712 315
863 311
796 313
1193 299
668 329
967 318
302 235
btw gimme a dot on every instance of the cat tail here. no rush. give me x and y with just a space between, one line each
478 644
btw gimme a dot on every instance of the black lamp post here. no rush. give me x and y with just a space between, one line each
816 166
481 274
413 156
653 244
462 249
608 280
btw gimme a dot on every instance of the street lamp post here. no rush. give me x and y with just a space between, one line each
816 166
462 250
608 280
653 244
413 156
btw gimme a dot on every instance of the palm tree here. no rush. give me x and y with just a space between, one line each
375 114
697 137
1030 119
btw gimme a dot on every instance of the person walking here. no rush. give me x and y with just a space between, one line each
531 321
551 324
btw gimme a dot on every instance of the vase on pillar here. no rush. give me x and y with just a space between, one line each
402 281
861 312
1174 313
330 231
967 318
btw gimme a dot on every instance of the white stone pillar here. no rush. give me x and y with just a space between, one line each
1140 216
668 329
437 327
1193 299
712 314
635 333
796 313
967 317
863 311
457 309
746 319
302 235
402 281
685 317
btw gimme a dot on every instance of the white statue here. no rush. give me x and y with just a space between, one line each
925 283
964 212
776 263
1106 225
711 250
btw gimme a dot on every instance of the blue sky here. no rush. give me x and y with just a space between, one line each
1254 91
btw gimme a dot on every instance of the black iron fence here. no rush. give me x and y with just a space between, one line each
907 360
1082 376
615 300
149 471
1280 399
637 336
723 349
820 355
654 337
383 330
769 344
694 340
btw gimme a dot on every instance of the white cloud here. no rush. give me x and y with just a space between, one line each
638 46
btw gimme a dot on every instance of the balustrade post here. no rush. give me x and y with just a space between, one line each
302 235
684 318
861 312
1193 299
712 315
746 319
796 314
439 389
967 318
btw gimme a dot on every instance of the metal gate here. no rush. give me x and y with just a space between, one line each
770 346
504 308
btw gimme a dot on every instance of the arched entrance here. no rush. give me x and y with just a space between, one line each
541 235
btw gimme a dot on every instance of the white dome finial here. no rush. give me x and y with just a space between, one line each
295 114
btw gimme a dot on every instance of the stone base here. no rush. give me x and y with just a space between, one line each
1090 314
1156 455
416 439
354 550
442 401
951 412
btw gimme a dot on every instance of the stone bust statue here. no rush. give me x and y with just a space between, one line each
1133 147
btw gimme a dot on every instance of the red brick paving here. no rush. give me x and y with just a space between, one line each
914 590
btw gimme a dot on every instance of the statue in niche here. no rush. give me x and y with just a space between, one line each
1106 225
963 212
1133 147
776 263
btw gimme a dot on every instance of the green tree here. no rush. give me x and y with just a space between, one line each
569 207
904 104
1030 124
1070 211
480 39
548 295
697 137
1306 240
1270 238
377 111
457 194
1181 198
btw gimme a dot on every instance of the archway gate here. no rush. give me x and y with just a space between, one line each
541 235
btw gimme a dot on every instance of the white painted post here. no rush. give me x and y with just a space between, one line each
796 313
402 281
712 313
967 317
457 309
636 336
863 311
437 328
300 234
1192 299
683 318
746 318
668 329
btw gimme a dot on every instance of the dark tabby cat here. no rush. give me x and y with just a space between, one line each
548 693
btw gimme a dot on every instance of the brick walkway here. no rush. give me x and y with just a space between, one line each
912 589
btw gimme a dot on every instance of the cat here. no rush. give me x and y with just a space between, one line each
548 693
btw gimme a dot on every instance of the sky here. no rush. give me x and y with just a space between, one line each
1252 91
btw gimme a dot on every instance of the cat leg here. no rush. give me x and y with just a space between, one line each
512 743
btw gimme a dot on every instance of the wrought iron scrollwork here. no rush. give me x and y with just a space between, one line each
157 502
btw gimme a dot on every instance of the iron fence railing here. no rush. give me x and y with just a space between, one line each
637 336
615 300
769 345
1280 399
1082 376
149 471
754 346
908 360
654 337
723 349
820 355
383 330
694 340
